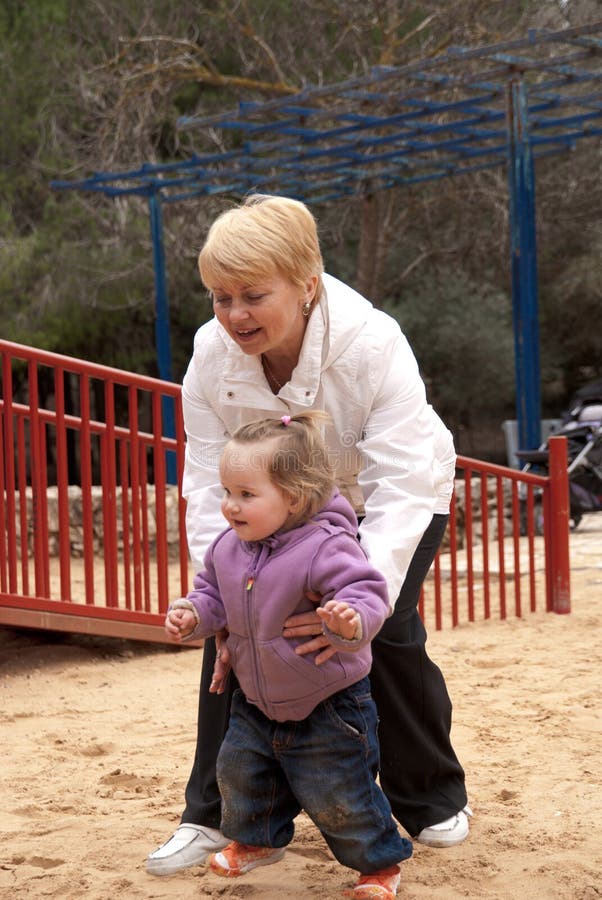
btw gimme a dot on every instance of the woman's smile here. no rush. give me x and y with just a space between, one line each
246 334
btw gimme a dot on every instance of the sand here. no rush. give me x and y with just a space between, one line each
98 734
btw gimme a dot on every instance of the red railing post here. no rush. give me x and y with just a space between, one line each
560 580
8 550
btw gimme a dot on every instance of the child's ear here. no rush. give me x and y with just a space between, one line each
294 503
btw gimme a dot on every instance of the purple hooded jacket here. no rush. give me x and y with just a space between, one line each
250 588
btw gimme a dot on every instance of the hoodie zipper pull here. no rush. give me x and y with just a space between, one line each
261 555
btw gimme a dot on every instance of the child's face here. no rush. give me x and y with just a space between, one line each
253 506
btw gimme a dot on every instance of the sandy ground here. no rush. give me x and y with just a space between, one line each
98 734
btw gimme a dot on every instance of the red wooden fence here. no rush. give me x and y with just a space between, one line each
94 536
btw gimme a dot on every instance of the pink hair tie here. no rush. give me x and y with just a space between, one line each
285 420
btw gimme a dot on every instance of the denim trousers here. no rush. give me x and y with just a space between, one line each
326 764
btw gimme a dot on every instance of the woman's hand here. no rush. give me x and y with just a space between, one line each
306 625
179 623
221 668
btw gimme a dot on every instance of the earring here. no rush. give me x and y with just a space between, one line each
306 308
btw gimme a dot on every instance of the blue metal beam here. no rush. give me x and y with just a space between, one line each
523 250
162 326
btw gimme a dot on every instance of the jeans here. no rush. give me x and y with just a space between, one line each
326 764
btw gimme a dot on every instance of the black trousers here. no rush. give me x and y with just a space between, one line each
419 773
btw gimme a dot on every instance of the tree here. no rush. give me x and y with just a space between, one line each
75 267
461 332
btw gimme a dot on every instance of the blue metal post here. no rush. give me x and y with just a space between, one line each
162 334
523 246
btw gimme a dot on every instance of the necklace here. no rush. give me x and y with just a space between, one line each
268 371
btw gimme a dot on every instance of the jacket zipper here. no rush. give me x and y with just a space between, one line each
249 604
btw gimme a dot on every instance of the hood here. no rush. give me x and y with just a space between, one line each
338 513
345 314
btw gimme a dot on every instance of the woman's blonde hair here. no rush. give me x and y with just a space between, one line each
263 236
296 461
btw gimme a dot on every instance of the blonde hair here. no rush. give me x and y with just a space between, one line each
263 236
296 459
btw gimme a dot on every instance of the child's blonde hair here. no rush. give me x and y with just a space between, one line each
263 236
296 461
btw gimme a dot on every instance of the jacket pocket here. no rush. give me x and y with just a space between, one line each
289 676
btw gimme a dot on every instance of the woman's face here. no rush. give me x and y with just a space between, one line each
265 315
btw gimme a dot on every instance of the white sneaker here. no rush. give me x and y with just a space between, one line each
189 845
448 833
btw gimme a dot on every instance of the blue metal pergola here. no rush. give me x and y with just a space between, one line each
463 111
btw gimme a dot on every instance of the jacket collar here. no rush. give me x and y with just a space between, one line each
277 541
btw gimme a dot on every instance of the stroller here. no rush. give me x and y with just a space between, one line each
582 426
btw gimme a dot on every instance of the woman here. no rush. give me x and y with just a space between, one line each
286 338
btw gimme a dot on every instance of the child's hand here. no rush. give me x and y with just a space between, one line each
179 623
341 619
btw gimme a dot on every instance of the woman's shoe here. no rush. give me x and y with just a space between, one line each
189 845
381 884
448 833
236 859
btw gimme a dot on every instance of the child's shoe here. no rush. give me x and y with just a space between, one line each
236 859
381 884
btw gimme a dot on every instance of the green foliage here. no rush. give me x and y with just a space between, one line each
32 60
461 333
571 306
19 19
99 87
68 291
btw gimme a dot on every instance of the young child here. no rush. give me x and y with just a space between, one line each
301 735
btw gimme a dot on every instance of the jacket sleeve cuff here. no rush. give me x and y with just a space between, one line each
183 603
345 643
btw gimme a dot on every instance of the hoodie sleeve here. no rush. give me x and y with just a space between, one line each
206 599
400 473
340 571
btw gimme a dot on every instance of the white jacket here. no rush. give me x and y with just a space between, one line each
394 458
